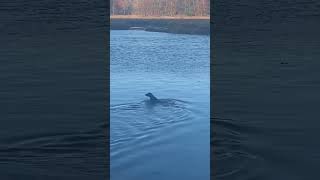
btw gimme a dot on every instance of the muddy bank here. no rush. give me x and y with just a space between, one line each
177 26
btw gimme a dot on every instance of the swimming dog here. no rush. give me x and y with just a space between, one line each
152 97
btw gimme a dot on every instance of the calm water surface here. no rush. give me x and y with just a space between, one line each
266 90
163 141
52 95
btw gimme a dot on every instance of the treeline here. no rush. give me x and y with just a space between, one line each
160 7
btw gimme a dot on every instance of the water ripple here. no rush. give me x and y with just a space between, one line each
231 148
140 123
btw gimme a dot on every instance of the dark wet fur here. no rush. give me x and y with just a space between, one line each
164 102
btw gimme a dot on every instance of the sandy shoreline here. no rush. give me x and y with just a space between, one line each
157 17
179 25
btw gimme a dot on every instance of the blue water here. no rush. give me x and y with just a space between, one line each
52 95
162 141
266 90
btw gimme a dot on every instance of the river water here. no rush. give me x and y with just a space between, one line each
168 140
265 90
53 84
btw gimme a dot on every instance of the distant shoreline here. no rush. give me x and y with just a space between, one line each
199 25
158 17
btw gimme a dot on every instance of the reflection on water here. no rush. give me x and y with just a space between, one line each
167 139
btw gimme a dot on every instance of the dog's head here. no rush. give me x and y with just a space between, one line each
149 95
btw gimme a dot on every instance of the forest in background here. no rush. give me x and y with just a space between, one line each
160 7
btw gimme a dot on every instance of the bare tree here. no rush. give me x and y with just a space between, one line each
160 7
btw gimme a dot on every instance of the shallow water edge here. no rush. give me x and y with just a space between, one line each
176 26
